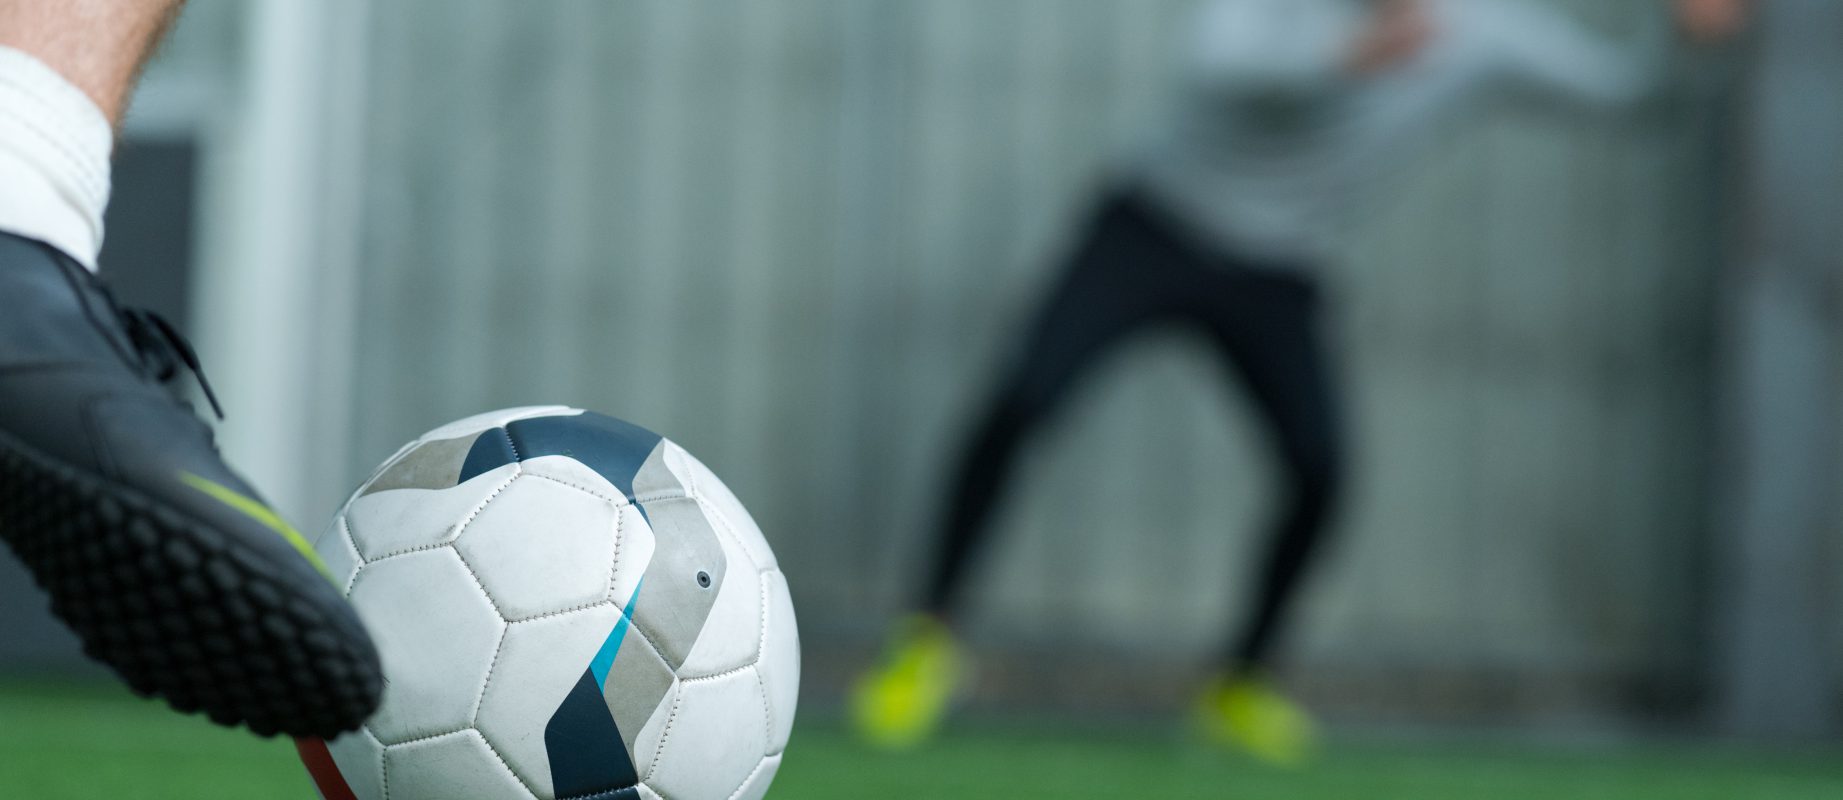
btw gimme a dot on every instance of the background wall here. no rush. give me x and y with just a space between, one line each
797 236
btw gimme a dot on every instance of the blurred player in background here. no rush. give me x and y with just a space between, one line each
1292 113
112 492
1713 21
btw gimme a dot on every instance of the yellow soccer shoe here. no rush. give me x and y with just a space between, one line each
1247 713
900 702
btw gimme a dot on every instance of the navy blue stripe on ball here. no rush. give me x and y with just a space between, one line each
492 449
613 448
629 793
587 755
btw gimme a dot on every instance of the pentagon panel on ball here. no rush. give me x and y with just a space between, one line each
569 607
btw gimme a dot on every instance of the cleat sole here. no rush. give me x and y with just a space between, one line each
184 611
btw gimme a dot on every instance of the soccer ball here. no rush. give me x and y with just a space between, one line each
568 606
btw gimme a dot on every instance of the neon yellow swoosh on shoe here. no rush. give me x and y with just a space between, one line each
259 512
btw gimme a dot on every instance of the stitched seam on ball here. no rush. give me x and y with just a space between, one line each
458 529
502 763
383 762
357 557
469 729
749 777
479 584
345 527
729 529
634 625
561 612
691 473
617 501
487 685
421 739
614 566
678 696
761 682
604 794
506 432
633 622
617 504
517 471
410 552
385 467
761 643
663 494
716 676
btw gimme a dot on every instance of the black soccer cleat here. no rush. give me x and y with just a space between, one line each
158 556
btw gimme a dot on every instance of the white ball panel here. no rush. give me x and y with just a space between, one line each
633 552
495 419
336 551
780 663
541 546
401 520
654 731
717 736
538 663
360 759
569 471
731 636
680 462
731 516
640 691
458 765
437 634
757 785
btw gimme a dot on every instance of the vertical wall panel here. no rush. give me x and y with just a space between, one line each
801 235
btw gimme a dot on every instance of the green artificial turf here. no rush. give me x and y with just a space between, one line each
93 742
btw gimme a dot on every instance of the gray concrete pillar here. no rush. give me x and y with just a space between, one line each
1779 564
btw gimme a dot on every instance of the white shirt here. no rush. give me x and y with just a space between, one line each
1275 148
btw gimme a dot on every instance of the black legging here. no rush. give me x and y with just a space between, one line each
1134 269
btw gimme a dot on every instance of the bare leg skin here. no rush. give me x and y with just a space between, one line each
99 45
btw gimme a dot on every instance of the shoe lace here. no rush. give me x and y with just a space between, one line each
164 349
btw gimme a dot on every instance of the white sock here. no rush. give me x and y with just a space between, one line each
54 158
